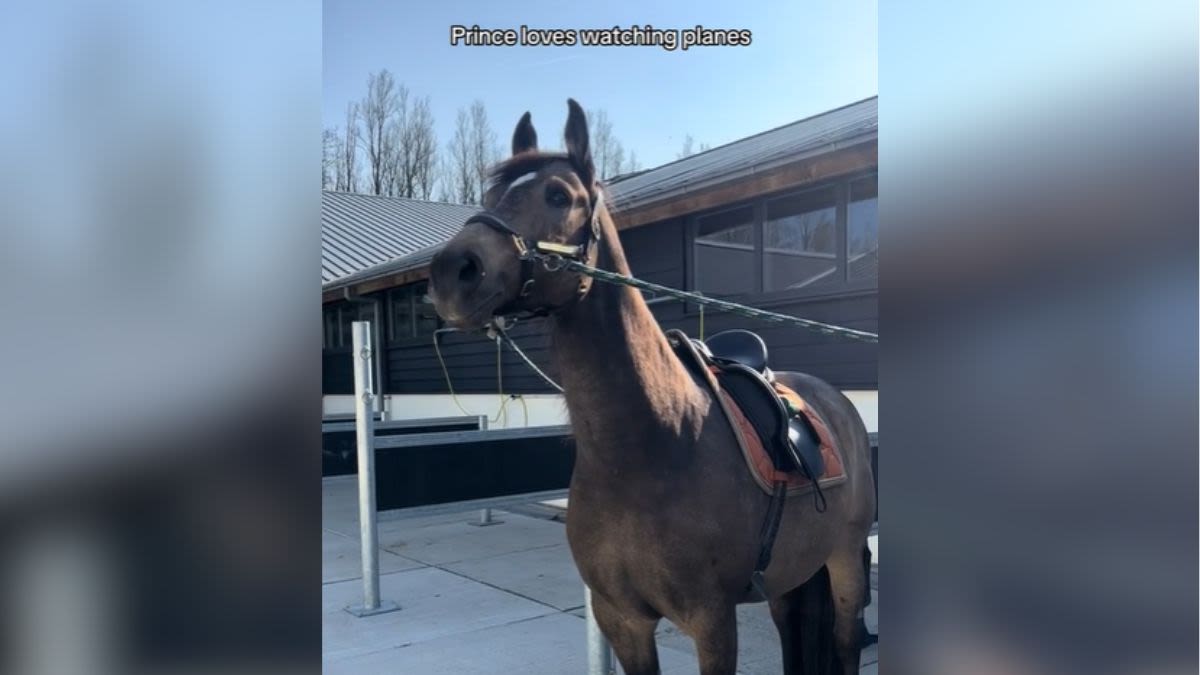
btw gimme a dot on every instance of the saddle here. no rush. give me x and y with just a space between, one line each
738 360
787 445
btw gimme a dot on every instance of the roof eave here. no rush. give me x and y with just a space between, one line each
845 156
815 164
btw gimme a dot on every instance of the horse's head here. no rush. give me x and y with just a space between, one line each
533 198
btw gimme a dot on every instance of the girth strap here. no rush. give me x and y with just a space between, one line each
770 529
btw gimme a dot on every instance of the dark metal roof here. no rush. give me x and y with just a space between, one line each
414 260
849 125
359 232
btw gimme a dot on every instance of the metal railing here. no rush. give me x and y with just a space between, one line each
599 652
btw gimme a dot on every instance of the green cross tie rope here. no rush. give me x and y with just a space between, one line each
556 262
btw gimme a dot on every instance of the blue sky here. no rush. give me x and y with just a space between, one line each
806 57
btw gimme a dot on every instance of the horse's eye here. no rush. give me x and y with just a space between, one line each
556 197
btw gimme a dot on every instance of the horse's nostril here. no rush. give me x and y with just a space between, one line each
469 272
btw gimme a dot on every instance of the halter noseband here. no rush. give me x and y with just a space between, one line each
530 251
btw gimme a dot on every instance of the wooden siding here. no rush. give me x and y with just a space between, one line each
337 375
656 253
413 368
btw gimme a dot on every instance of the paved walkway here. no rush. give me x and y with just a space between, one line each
474 600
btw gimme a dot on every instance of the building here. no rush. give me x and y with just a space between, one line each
785 219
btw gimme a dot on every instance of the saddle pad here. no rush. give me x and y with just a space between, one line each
757 459
759 462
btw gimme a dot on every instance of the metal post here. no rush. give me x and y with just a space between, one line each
485 519
365 430
600 656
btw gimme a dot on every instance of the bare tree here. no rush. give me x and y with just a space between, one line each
688 151
425 149
380 109
602 142
484 150
330 153
445 181
416 151
347 174
459 180
471 152
632 164
607 152
398 139
617 159
397 180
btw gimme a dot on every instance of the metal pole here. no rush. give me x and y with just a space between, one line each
600 656
485 519
364 426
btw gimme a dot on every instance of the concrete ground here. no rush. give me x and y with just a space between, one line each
498 599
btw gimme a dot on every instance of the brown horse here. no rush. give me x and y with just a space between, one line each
664 516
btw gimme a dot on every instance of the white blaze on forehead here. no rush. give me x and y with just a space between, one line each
521 180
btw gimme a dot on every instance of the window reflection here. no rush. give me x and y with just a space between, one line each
800 241
724 252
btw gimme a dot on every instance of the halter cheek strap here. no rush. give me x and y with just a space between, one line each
528 251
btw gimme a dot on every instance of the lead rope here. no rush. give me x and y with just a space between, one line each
497 331
503 411
554 262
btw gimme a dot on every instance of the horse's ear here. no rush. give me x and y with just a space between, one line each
577 141
524 138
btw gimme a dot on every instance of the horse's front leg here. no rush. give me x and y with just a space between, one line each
715 634
631 637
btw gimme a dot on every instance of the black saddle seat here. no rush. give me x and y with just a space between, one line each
741 360
740 346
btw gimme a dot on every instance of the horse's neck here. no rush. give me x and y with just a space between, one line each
622 381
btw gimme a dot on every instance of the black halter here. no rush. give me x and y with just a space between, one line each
530 251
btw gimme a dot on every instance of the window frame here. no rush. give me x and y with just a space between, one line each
414 338
759 296
839 263
846 227
334 309
347 313
693 233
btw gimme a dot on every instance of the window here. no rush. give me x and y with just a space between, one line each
862 229
814 241
337 320
425 316
800 241
400 303
332 334
725 252
348 315
411 313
